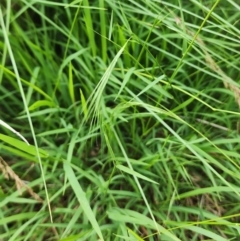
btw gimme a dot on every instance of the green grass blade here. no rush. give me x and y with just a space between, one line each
81 196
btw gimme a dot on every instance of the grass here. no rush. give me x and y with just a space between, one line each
131 109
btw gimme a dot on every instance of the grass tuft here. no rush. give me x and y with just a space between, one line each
120 120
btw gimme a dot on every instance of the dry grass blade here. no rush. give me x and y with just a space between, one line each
227 81
10 174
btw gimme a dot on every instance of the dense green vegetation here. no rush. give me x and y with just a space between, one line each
131 109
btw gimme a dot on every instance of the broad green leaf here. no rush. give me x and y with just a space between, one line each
81 196
206 233
133 217
41 103
18 217
134 173
18 153
23 146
